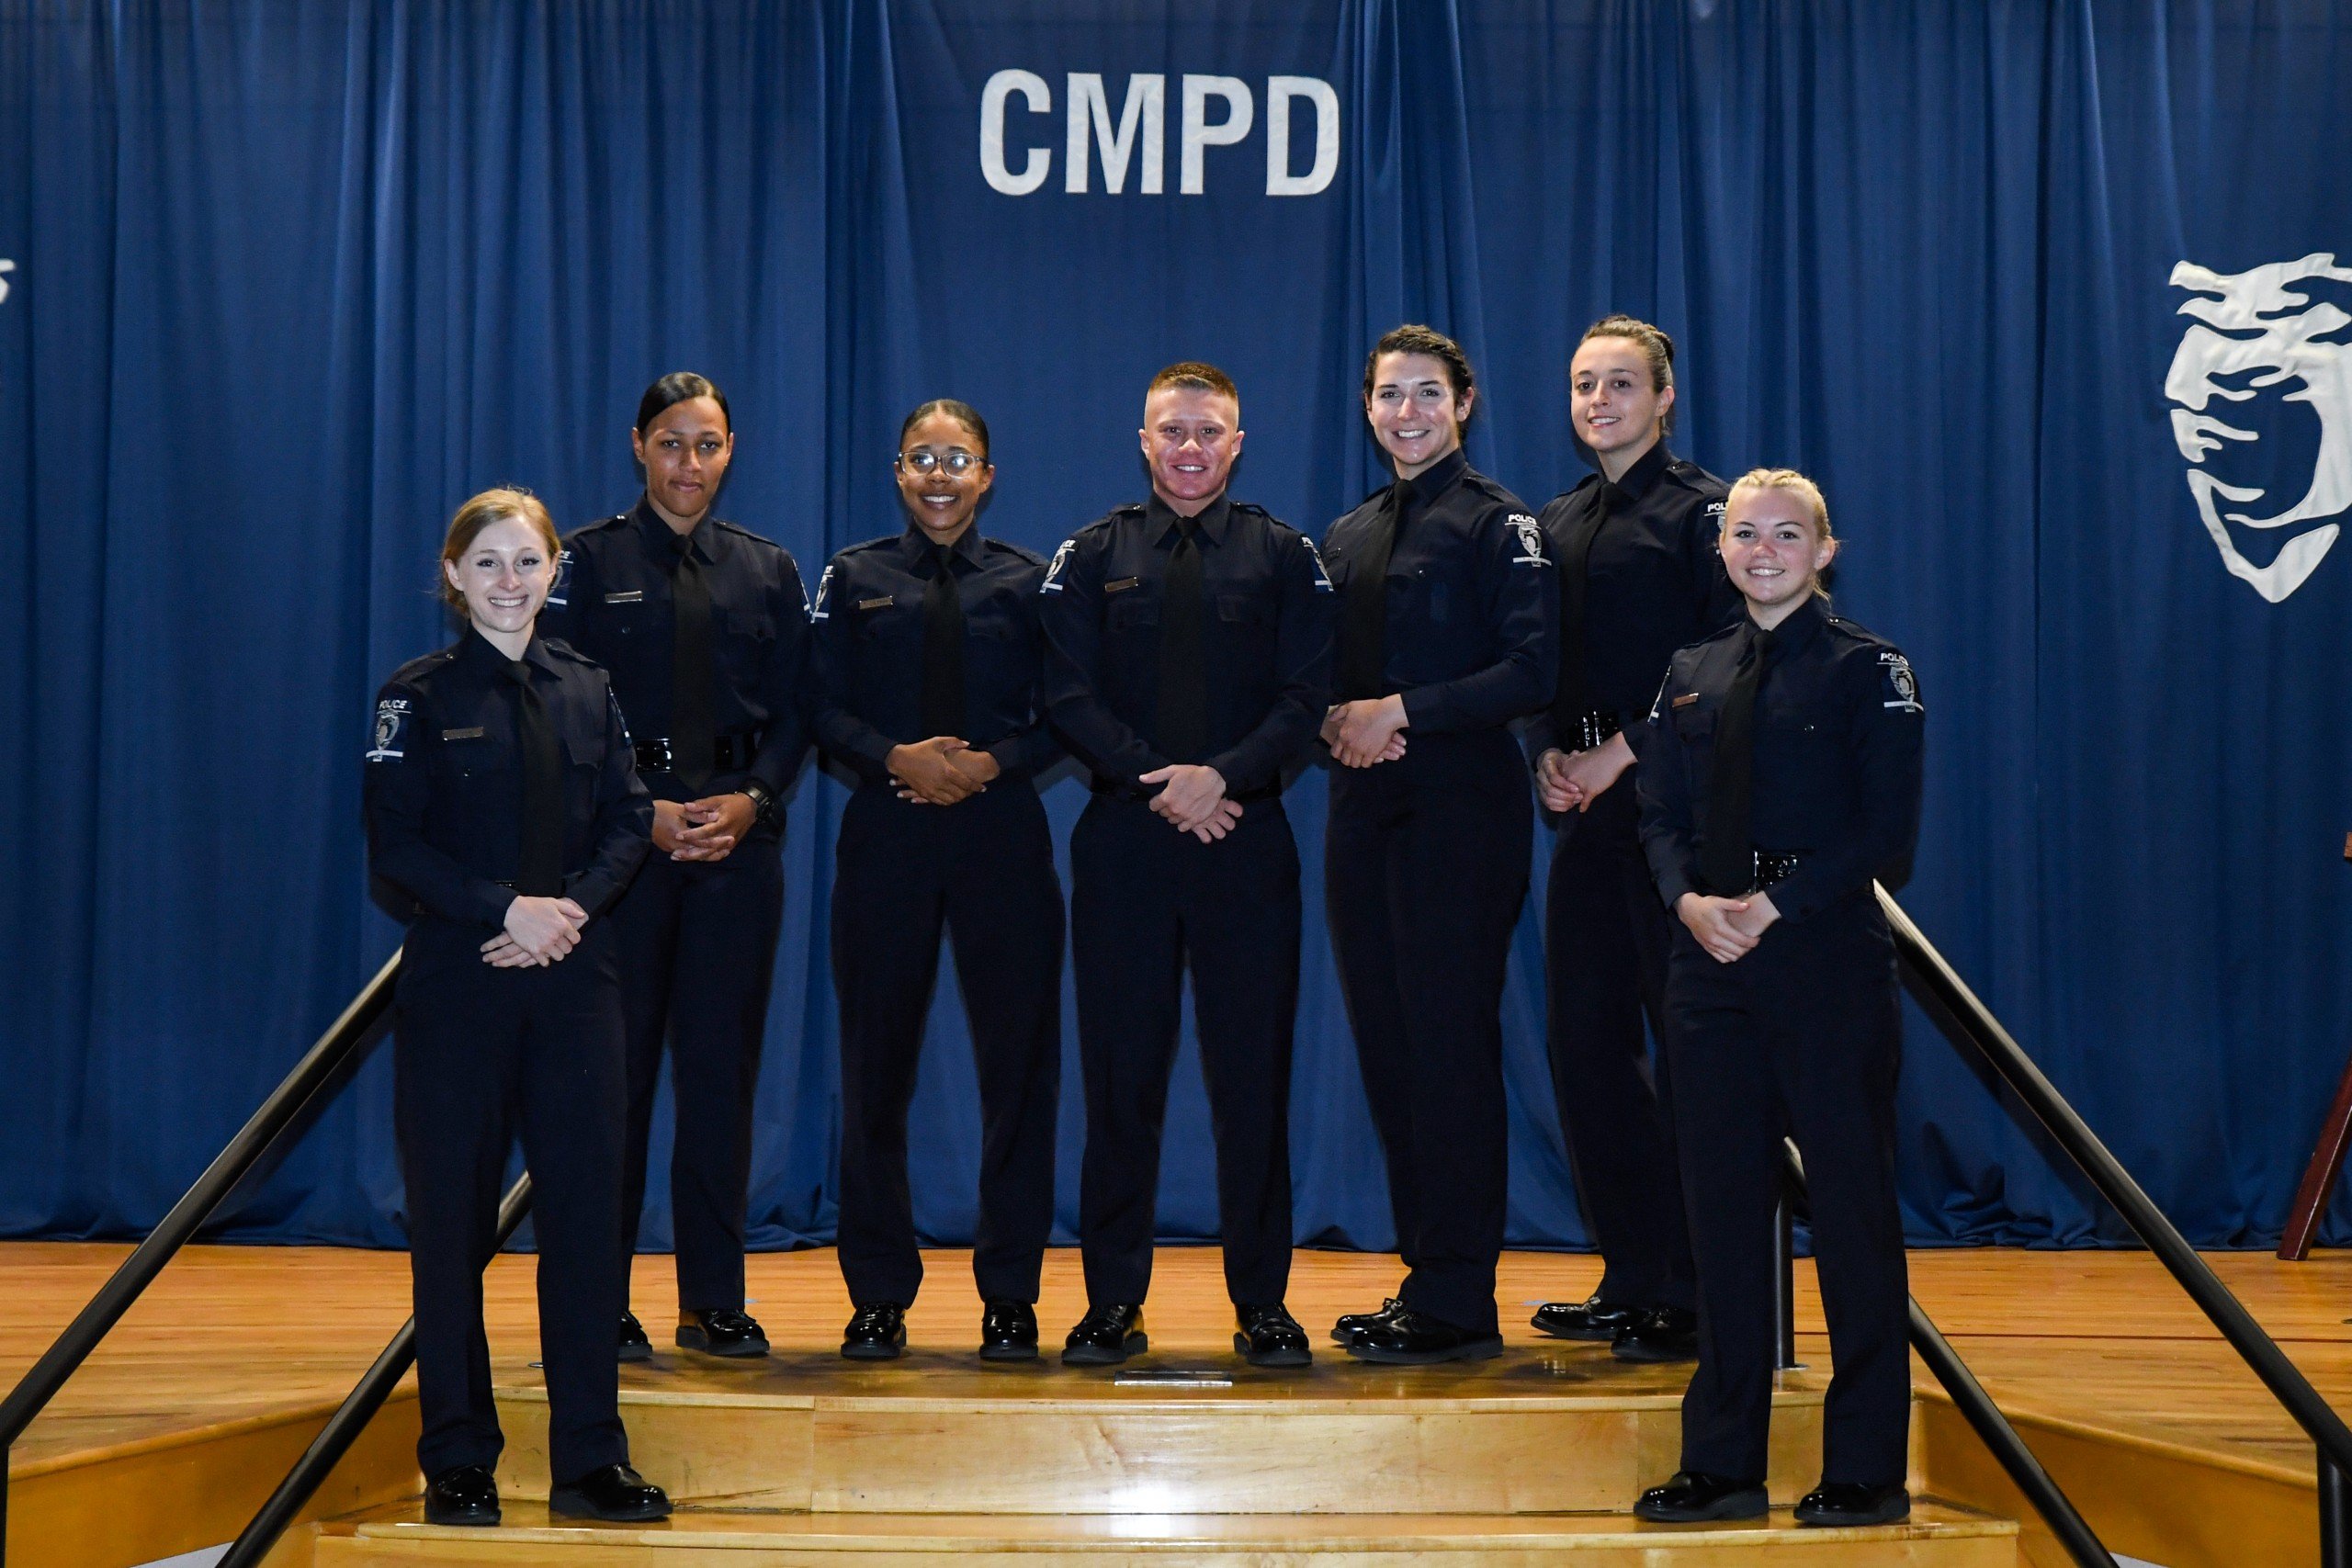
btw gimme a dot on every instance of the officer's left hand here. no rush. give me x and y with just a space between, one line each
976 765
1587 775
1190 794
1367 732
1759 913
715 825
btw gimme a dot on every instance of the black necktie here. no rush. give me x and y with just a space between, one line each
1363 607
694 730
1569 703
1183 683
1727 855
943 649
540 871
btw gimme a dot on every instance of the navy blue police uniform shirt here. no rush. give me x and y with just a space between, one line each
612 601
443 788
1834 765
1268 612
1473 616
1653 582
868 652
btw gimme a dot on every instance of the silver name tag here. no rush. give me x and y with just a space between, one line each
473 734
634 595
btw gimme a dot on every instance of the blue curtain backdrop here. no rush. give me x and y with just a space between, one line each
285 281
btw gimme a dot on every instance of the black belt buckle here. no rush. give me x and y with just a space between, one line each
1593 729
1770 869
653 755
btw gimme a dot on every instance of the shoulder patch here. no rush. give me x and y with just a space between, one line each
393 715
1052 583
816 611
1901 686
1315 558
560 595
1530 540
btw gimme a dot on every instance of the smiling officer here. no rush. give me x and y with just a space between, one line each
705 628
1190 649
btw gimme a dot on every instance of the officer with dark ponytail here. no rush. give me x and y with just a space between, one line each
1639 577
1447 620
704 627
929 658
1781 777
504 818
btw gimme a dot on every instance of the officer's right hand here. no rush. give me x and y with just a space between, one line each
1710 920
923 774
545 929
1553 785
1218 823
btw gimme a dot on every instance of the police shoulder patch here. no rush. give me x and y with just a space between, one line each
1315 559
824 586
393 715
1901 686
1530 540
1053 578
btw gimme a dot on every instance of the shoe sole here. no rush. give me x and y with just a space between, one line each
467 1520
1008 1352
1737 1506
696 1340
573 1507
1096 1356
1484 1350
1891 1515
1652 1358
1588 1337
635 1353
1294 1357
1350 1339
863 1352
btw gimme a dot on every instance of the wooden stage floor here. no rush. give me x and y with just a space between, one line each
255 1343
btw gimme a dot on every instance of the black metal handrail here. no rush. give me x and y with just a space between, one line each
2049 1499
323 1066
351 1417
1941 985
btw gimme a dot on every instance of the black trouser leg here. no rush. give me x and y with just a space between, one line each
1454 889
572 1116
723 967
1359 843
1836 1033
1126 942
888 903
1728 1114
1605 940
1241 933
457 1054
645 924
1004 917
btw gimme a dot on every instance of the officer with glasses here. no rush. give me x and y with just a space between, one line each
705 628
927 657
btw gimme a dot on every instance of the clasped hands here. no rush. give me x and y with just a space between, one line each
1729 929
539 932
1572 781
1368 731
940 771
704 829
1192 799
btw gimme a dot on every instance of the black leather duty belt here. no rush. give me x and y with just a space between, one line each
1119 790
730 754
1770 869
1588 731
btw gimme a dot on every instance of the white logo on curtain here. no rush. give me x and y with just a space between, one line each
2258 324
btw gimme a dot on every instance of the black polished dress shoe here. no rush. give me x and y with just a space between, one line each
1661 1334
1589 1319
1105 1337
1270 1336
876 1332
634 1346
1851 1503
1351 1326
611 1492
724 1331
1694 1497
1416 1339
1009 1332
466 1495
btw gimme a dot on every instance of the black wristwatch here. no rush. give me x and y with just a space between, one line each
763 799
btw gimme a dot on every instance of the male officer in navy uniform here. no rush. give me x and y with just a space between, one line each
1188 662
705 628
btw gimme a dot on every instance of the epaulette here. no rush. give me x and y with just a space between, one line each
1855 631
875 543
736 528
1692 477
559 648
1578 488
425 665
1032 557
598 526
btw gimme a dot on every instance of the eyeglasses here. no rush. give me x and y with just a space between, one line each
957 462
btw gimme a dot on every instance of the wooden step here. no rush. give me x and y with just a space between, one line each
1935 1537
1564 1429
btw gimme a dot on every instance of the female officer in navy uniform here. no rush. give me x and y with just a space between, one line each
504 819
927 659
1780 776
1639 577
1447 633
705 628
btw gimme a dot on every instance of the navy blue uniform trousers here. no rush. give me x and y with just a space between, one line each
698 955
983 869
1605 940
479 1054
1802 1035
1426 868
1147 901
